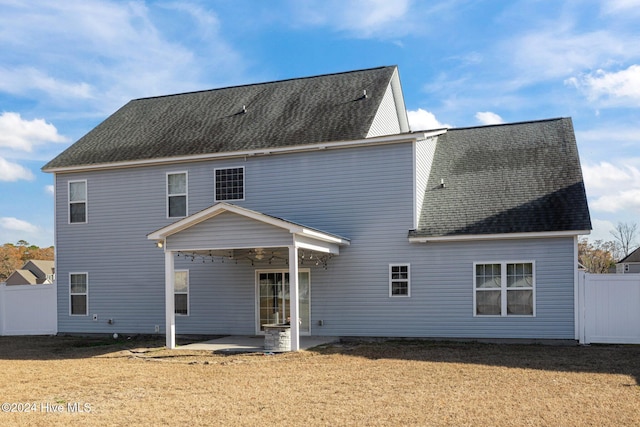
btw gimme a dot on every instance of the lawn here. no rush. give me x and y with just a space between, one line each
69 380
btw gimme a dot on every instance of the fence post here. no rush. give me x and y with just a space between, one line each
582 322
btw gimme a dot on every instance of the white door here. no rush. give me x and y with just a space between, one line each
273 298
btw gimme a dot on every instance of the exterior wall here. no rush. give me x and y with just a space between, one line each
386 119
441 302
633 267
365 194
425 150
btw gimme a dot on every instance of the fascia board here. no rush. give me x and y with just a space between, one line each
502 236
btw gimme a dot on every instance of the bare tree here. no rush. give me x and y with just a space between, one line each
625 235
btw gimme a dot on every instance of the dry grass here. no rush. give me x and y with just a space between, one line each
392 383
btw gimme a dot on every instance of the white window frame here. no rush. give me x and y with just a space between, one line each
504 289
215 183
185 194
85 201
392 280
182 293
86 293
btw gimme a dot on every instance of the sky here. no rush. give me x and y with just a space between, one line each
65 66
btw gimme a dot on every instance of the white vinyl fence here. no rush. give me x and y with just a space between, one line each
609 308
28 310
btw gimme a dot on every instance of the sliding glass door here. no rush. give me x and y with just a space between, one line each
274 298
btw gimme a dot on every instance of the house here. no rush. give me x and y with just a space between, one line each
33 272
220 211
630 263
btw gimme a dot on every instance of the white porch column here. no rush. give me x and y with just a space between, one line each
293 297
169 310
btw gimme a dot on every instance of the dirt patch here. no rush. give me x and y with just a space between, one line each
68 380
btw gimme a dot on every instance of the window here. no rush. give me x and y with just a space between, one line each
229 184
504 289
176 194
399 280
77 201
181 292
78 294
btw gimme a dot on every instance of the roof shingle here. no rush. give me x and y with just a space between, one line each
514 178
278 114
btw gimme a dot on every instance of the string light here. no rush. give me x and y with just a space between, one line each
253 257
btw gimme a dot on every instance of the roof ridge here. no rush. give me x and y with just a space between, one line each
510 123
264 83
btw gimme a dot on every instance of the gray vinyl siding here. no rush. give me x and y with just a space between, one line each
229 230
386 120
364 194
425 150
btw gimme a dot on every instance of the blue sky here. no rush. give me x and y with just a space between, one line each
65 66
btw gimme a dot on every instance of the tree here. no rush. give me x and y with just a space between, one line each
625 235
13 257
596 257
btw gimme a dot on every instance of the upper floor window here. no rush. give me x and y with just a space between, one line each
229 184
399 280
504 289
176 194
77 201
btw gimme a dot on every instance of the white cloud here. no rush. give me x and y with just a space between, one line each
621 6
612 188
19 134
489 118
362 18
105 53
424 120
601 230
620 88
619 201
10 171
15 224
553 53
21 80
49 190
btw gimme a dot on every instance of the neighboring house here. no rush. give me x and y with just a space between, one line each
33 272
468 233
630 263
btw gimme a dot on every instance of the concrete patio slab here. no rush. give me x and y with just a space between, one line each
250 344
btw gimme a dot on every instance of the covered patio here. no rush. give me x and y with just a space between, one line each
235 233
251 344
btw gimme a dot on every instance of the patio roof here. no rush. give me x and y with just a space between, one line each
228 227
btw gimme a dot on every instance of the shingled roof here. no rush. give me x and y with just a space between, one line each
513 178
632 257
251 117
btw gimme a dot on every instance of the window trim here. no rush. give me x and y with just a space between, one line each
85 201
504 289
86 293
182 293
185 194
391 280
215 183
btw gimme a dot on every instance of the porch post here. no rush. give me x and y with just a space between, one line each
170 314
293 297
